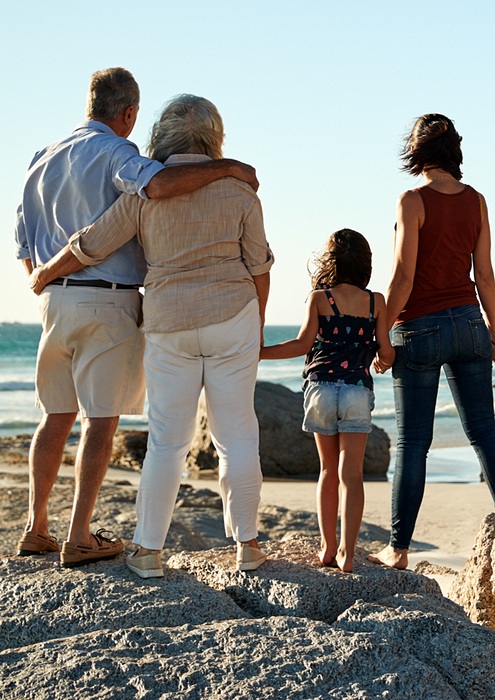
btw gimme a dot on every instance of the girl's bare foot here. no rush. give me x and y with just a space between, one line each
390 556
344 561
326 558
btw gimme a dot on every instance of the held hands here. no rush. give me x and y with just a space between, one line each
35 280
379 366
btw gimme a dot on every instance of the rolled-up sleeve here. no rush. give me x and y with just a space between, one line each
131 172
256 253
115 227
21 242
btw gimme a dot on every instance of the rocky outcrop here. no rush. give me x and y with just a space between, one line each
289 630
285 449
474 586
362 656
292 582
40 601
102 633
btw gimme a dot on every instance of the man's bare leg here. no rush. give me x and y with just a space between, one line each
45 456
390 556
93 456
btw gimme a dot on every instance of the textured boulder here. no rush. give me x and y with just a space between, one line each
40 601
474 586
291 582
129 449
364 655
285 449
462 653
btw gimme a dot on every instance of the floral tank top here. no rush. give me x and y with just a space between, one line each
343 349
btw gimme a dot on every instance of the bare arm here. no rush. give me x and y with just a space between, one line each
182 179
386 354
410 217
262 284
27 264
63 263
483 273
305 338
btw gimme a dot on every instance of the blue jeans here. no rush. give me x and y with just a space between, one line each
456 339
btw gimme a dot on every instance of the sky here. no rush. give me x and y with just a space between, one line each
316 94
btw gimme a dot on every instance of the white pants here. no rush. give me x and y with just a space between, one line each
222 358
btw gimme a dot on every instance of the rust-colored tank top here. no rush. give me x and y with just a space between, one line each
447 239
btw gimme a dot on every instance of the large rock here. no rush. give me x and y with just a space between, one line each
474 586
129 449
372 652
100 632
40 601
292 583
285 449
461 653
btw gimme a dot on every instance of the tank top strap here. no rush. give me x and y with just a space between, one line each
332 302
372 303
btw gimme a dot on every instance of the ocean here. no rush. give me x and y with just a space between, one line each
18 346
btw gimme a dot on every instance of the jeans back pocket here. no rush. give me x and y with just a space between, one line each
482 343
421 348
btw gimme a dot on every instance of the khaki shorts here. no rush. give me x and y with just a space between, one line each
90 357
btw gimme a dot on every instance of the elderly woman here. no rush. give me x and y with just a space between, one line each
432 302
205 295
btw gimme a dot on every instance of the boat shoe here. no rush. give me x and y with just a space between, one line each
249 558
80 554
149 566
31 543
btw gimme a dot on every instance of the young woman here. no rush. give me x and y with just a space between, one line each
442 228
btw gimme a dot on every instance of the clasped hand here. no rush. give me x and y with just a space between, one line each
35 282
379 366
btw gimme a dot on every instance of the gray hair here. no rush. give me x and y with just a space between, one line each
187 124
110 92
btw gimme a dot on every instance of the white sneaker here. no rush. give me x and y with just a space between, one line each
249 558
149 566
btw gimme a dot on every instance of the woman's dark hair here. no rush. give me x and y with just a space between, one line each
433 143
346 260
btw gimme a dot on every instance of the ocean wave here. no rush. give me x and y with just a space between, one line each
18 424
384 412
447 411
17 386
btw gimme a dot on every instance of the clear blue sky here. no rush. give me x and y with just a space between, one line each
316 94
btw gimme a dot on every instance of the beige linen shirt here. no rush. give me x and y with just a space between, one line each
203 250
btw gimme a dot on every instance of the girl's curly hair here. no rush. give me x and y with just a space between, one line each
345 260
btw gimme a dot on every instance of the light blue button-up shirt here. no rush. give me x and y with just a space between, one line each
69 185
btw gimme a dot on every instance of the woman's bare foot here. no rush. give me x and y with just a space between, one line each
390 556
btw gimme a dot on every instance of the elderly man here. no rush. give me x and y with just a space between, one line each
90 354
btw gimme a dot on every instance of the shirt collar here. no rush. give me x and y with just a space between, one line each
179 158
95 125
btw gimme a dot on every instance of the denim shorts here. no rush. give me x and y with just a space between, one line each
337 407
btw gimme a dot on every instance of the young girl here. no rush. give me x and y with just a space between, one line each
345 330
